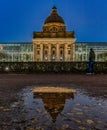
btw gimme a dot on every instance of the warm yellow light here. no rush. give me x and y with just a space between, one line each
53 90
1 47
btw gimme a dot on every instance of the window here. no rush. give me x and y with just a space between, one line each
38 46
46 52
69 52
61 52
38 52
53 52
54 29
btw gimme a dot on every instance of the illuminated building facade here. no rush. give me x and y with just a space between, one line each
82 51
16 52
54 43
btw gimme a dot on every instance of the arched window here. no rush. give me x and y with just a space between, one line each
53 52
61 52
54 29
38 52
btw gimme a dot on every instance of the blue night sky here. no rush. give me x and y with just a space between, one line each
19 18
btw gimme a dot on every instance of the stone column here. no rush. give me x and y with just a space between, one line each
57 52
34 53
41 52
49 53
65 52
73 52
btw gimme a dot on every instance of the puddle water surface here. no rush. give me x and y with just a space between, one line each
53 109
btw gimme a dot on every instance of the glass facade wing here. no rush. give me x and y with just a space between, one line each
16 52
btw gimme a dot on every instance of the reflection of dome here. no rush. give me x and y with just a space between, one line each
52 104
54 17
53 99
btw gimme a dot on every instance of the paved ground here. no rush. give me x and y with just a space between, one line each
13 116
10 84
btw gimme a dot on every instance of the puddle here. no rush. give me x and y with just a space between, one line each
58 109
66 110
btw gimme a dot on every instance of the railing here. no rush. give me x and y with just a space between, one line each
50 67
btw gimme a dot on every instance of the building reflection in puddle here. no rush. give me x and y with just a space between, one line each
53 98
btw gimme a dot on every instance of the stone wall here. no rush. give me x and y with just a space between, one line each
50 67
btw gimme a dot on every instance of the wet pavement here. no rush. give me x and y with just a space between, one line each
54 111
28 109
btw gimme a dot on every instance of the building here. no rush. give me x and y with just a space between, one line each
82 51
16 52
53 43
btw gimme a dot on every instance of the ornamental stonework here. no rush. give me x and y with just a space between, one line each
54 43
